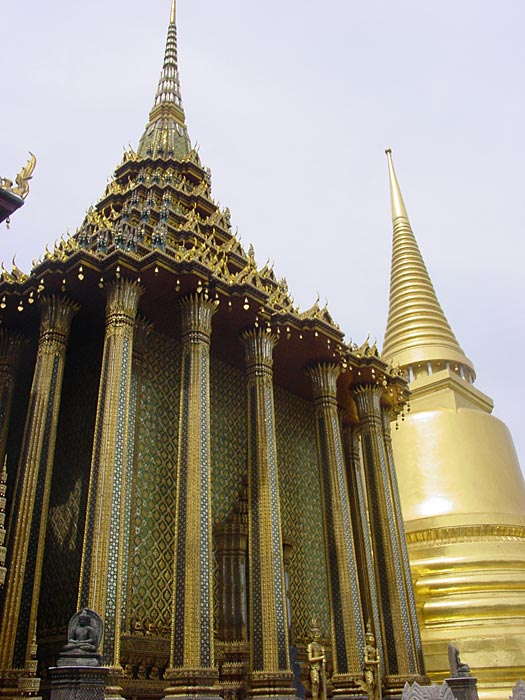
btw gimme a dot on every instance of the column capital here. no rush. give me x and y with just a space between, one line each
258 349
324 381
368 400
197 311
56 313
123 297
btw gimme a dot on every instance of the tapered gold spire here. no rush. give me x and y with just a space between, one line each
166 134
417 329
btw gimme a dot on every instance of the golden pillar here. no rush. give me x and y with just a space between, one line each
103 559
347 627
18 624
386 416
402 658
362 536
269 652
192 671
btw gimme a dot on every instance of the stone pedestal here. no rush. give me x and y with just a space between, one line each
464 687
78 682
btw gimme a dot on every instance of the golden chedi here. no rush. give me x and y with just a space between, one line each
461 487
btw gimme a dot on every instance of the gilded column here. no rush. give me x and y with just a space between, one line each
269 654
192 669
362 536
347 628
400 530
400 654
103 560
19 615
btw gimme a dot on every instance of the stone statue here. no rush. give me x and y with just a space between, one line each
457 668
316 663
84 633
371 666
518 692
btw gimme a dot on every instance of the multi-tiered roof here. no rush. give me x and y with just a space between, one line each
157 221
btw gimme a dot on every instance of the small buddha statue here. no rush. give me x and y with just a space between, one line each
84 634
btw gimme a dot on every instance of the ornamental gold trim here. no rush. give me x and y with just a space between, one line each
466 533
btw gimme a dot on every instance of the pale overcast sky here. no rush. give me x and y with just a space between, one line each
292 104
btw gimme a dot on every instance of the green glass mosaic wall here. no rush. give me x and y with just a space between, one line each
301 512
153 497
153 500
228 436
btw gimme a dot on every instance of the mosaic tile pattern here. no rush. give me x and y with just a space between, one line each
180 574
356 599
205 556
281 621
397 560
256 576
229 435
67 504
403 544
384 589
27 589
301 512
153 502
358 483
334 562
110 618
130 462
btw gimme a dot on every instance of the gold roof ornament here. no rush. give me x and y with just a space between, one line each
23 177
21 188
12 196
417 329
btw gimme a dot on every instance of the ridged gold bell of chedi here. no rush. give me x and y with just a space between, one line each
461 487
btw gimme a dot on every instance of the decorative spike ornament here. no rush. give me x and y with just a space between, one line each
166 134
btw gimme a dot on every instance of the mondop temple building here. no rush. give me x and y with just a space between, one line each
211 470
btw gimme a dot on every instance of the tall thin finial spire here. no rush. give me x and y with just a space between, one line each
166 133
417 329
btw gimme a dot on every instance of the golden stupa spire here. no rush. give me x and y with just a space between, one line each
417 329
166 134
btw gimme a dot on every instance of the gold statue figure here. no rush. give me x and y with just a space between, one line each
372 679
316 663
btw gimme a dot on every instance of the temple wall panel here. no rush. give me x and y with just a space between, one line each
301 512
16 425
64 537
153 496
229 432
